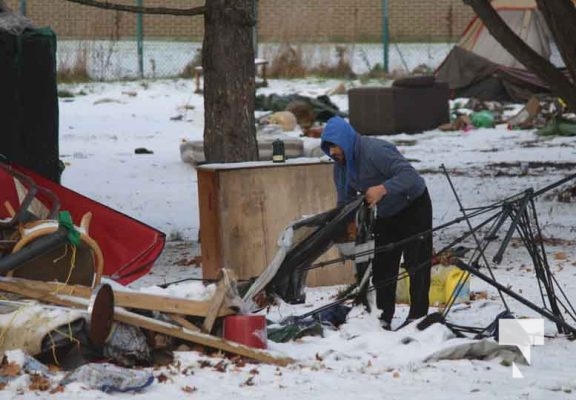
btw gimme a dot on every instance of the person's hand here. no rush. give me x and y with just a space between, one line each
374 194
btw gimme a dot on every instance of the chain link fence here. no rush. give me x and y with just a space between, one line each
105 60
117 60
96 44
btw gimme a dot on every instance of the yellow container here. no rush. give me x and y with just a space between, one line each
444 280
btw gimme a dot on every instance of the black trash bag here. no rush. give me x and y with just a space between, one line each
69 346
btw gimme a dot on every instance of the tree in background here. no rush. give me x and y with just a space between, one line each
229 74
560 16
229 81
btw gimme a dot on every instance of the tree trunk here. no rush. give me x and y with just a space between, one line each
560 17
559 84
229 82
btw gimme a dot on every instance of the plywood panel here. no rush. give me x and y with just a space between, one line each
210 240
254 205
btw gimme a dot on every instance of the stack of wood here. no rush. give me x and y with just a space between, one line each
182 312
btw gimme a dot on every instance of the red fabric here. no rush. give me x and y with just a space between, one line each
129 246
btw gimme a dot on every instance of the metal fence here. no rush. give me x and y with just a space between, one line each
123 59
116 60
121 50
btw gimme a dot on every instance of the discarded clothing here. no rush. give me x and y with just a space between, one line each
312 324
483 350
110 378
127 346
323 107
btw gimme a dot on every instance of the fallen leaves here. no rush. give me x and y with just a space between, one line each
560 255
163 378
40 383
479 295
189 389
197 261
10 369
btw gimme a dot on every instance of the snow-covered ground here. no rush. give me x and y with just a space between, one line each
102 125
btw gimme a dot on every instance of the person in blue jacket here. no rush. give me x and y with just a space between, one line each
389 182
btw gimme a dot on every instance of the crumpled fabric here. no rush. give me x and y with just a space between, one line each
127 346
485 349
110 378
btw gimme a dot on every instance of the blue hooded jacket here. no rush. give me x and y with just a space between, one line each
369 162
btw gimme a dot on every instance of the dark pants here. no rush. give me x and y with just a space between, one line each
416 218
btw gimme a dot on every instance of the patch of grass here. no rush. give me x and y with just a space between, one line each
188 71
375 72
76 71
342 69
288 62
64 93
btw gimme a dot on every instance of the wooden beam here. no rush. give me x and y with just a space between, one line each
143 301
183 322
199 338
141 321
224 285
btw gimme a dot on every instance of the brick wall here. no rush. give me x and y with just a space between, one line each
279 20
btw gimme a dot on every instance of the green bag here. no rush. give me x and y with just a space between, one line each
482 119
558 126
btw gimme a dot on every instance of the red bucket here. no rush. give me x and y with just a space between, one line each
249 330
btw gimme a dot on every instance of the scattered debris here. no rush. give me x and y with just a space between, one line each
142 150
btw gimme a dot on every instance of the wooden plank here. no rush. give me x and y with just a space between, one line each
141 321
215 305
225 284
143 301
210 239
200 338
183 322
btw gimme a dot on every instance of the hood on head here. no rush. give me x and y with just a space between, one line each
341 133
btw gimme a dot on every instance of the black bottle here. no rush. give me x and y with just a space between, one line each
278 154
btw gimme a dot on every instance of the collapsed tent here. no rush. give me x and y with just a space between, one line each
478 66
300 245
129 247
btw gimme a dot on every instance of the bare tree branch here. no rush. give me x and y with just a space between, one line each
141 10
546 71
4 7
556 14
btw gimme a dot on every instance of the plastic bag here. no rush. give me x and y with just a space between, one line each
482 119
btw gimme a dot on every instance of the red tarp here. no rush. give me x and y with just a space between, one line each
129 246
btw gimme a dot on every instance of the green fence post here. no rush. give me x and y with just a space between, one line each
23 7
140 39
385 35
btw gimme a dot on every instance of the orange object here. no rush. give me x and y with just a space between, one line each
249 330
